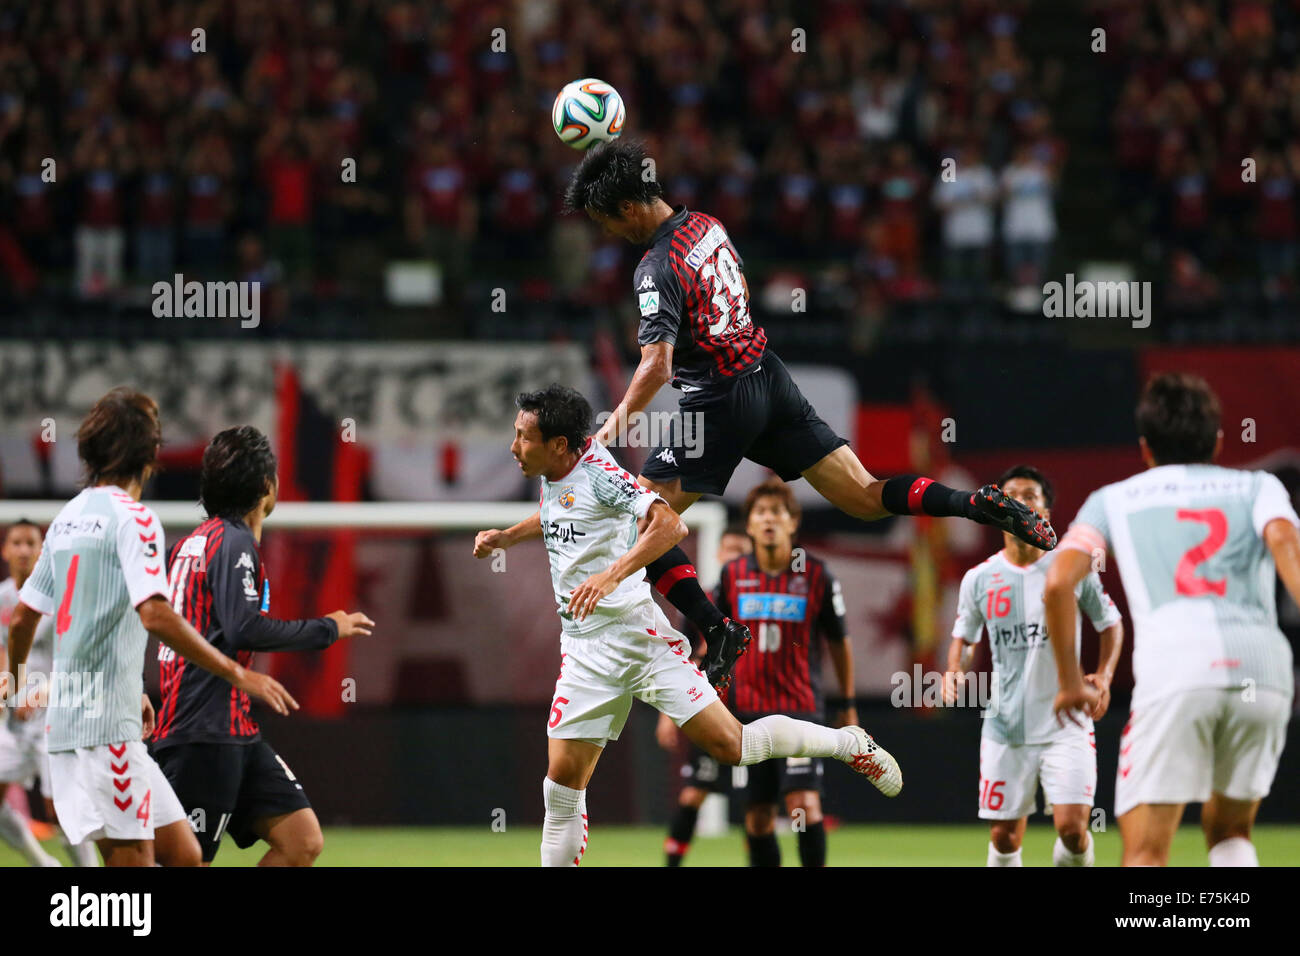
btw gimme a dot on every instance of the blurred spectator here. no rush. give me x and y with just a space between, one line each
1276 224
155 245
1028 217
100 240
966 201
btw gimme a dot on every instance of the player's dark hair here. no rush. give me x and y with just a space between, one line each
560 410
119 438
238 470
1178 415
1032 474
608 174
20 523
772 488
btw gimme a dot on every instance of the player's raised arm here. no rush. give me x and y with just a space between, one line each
173 630
485 542
666 528
653 373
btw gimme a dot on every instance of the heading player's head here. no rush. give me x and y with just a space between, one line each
238 474
1030 487
21 548
119 439
1178 420
551 427
615 184
735 542
772 516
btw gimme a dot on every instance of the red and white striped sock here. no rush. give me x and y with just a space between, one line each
564 829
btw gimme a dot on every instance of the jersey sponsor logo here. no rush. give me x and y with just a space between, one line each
245 561
90 526
567 497
668 456
557 531
772 607
707 245
649 303
647 283
1031 634
250 586
266 596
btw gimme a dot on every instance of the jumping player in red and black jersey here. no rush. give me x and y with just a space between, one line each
696 332
205 739
793 605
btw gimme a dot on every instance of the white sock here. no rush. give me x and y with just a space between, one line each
81 854
1234 851
15 831
564 830
1003 859
1061 855
779 736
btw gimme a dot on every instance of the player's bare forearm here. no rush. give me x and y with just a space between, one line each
22 629
1062 608
841 655
666 529
177 633
960 655
653 373
529 528
1283 542
1109 643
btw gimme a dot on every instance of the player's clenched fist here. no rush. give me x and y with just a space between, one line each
485 542
351 625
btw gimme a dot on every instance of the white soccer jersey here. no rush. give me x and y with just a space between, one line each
103 556
589 521
1007 601
1198 576
41 656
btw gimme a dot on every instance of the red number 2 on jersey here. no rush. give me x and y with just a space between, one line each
1186 581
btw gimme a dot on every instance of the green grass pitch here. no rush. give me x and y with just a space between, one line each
612 845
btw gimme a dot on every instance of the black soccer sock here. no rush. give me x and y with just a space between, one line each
812 844
916 495
680 833
674 577
764 850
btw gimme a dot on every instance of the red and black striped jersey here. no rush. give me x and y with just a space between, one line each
690 291
789 614
216 582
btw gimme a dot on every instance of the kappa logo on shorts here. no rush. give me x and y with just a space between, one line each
668 456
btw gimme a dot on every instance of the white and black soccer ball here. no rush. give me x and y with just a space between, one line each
587 112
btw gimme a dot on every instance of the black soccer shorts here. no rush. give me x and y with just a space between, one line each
705 773
771 780
761 415
234 785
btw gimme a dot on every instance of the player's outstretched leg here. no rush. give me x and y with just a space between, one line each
842 480
673 576
726 739
15 831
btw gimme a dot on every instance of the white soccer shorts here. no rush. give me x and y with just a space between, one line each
639 655
22 753
112 791
1182 748
1010 775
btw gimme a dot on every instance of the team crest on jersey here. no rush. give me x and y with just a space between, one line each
567 497
250 586
798 585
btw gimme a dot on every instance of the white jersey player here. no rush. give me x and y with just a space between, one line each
23 756
1196 546
1021 744
101 575
615 643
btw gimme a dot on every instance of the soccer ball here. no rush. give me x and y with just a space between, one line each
587 112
